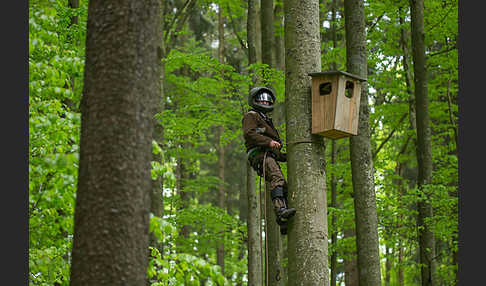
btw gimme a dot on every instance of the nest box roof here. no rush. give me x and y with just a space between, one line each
338 73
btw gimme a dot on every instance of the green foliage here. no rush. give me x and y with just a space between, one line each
178 268
202 94
55 63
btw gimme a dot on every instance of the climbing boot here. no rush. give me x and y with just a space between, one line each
282 212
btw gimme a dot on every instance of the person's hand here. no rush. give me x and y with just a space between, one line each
274 144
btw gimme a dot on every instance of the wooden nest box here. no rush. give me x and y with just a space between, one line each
335 103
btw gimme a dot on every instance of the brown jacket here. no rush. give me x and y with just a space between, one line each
259 132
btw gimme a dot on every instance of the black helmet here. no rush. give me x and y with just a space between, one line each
258 94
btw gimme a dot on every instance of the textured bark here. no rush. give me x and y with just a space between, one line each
307 233
279 42
333 269
255 277
120 94
275 273
424 147
267 34
360 152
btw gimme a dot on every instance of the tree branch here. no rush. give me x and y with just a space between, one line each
233 27
389 136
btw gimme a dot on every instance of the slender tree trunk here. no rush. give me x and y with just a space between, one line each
424 147
360 152
333 162
351 276
221 192
267 35
121 92
182 176
307 231
157 196
334 227
279 42
255 277
388 265
272 233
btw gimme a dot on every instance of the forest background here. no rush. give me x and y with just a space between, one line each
199 123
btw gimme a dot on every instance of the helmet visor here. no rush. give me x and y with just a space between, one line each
264 96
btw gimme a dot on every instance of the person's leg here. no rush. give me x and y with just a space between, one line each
278 187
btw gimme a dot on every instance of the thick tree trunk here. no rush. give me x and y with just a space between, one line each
424 147
255 277
360 152
307 233
121 93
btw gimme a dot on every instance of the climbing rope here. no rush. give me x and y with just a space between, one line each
264 217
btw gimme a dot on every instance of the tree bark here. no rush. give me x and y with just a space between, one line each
334 227
272 230
120 94
279 42
307 231
267 35
255 277
360 152
351 276
424 147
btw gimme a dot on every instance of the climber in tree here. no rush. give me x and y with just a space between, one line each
261 137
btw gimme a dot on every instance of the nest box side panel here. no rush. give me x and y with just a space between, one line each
323 105
347 108
354 108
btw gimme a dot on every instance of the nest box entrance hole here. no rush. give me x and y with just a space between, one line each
325 88
349 89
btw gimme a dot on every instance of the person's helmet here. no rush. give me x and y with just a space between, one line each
259 94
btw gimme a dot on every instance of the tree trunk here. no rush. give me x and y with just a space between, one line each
334 217
279 42
307 231
221 193
255 277
272 229
333 162
157 196
424 147
267 35
121 93
351 277
275 273
388 265
360 152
